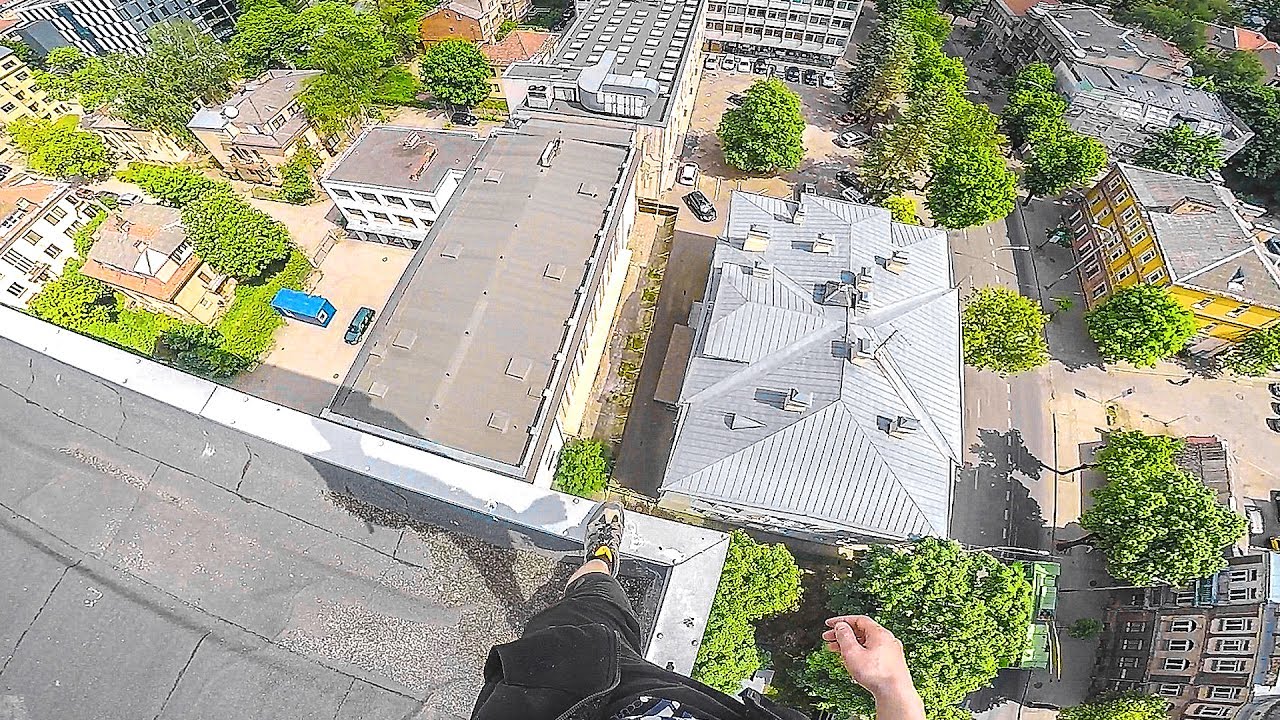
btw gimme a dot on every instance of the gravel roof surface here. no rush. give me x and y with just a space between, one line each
158 565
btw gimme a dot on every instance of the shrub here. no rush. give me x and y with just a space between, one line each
248 324
583 469
83 238
177 186
1085 628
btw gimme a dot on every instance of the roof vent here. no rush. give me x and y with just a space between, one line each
798 217
757 239
839 294
859 348
762 271
451 250
864 280
519 367
405 339
549 153
588 189
796 401
823 244
897 262
499 420
901 426
493 176
1237 280
412 140
554 271
742 422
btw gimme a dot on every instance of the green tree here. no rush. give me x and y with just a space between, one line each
1085 628
22 50
68 75
233 236
73 300
1170 23
400 21
971 186
902 209
1060 159
961 616
1257 354
1127 706
1152 519
1033 101
1141 324
1003 331
881 72
455 71
1259 107
262 31
758 581
507 27
1182 151
1229 66
84 238
199 349
295 175
583 469
58 148
764 133
176 186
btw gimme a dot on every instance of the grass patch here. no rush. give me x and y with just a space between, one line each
250 322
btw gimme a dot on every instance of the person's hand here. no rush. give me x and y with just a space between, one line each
871 654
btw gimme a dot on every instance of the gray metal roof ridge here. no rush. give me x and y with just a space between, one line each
695 555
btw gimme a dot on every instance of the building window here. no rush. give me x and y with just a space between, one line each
1174 664
421 203
1113 182
406 221
1244 575
1169 689
1236 624
1215 711
1179 645
1239 594
1134 627
1124 272
1202 304
380 216
1221 692
344 194
367 196
205 278
1128 662
1129 213
1232 645
355 212
1184 597
18 260
1098 292
53 251
55 215
1092 270
16 289
1147 256
1154 276
1182 626
1233 665
1116 252
1236 312
8 107
392 199
32 237
1130 644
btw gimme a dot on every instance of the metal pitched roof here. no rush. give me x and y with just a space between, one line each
766 334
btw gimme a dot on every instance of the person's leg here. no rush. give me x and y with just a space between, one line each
593 594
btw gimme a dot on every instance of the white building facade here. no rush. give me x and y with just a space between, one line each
36 236
810 32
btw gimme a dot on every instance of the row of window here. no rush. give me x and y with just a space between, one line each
401 220
762 32
719 7
25 264
794 17
384 200
1213 692
1187 625
1215 665
1222 645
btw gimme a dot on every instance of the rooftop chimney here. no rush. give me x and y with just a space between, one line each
796 401
859 348
897 262
757 239
798 217
902 426
762 271
863 280
823 244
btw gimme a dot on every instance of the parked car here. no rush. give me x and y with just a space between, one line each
736 99
744 65
848 178
760 67
688 174
711 62
106 197
847 119
127 199
1274 389
1257 525
828 79
359 325
463 117
728 63
792 73
853 195
810 76
700 206
850 138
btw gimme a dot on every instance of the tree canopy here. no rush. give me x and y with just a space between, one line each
73 300
455 71
1257 354
1003 331
1128 706
971 186
902 209
1152 519
1183 151
961 616
176 186
233 236
59 148
1229 66
757 581
1141 324
1061 159
766 132
583 469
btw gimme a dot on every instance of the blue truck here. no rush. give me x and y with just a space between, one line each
301 306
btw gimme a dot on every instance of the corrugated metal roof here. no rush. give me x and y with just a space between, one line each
765 332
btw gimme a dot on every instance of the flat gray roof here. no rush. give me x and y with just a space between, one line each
651 37
463 356
158 564
387 156
1095 38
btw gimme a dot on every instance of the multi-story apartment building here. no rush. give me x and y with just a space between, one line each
142 251
20 97
134 143
629 64
1138 225
99 27
822 398
1210 648
475 20
488 347
808 32
1000 18
37 223
1055 33
259 128
1238 39
393 182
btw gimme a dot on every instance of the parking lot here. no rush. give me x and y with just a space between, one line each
304 368
823 159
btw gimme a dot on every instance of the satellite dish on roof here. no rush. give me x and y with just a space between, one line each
230 112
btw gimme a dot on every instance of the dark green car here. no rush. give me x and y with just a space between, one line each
359 324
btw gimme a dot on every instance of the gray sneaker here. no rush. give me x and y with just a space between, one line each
603 539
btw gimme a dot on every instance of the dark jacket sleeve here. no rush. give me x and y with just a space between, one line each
560 672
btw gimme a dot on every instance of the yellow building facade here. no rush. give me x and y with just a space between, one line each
20 97
1142 226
